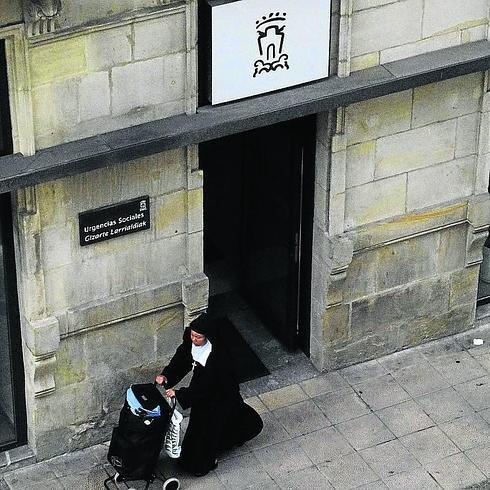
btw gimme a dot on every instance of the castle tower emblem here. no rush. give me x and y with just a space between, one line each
270 32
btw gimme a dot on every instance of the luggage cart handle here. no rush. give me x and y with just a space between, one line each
173 399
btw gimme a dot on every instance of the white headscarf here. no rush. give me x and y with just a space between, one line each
201 353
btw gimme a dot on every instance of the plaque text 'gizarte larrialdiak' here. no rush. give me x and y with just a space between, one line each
114 221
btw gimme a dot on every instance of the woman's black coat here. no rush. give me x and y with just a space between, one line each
219 418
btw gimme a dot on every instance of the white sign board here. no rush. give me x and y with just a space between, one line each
258 46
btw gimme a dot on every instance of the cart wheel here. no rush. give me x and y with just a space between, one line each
171 484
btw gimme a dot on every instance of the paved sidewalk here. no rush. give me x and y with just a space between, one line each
419 419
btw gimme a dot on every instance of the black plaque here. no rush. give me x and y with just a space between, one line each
113 221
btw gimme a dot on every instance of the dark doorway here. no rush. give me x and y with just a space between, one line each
12 399
5 121
258 213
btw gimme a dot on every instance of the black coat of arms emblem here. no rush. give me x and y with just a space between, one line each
270 32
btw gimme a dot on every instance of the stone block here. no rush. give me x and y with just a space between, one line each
386 26
161 173
482 183
69 286
419 47
406 261
170 214
322 163
156 37
361 276
49 195
174 76
56 249
337 173
42 337
409 224
137 85
447 99
464 286
484 141
451 249
195 292
473 34
336 323
108 351
195 210
166 258
169 336
71 365
479 210
432 327
420 299
195 252
360 163
94 96
375 201
55 110
59 59
109 47
414 149
378 117
364 61
447 15
441 183
467 135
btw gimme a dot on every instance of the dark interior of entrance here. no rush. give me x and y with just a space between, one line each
12 404
257 234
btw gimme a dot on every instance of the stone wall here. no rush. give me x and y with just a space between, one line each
126 71
402 212
100 317
388 30
10 12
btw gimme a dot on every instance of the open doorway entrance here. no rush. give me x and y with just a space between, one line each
258 214
12 401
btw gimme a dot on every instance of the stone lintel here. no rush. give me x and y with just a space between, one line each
214 122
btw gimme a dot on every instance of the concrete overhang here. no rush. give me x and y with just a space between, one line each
211 122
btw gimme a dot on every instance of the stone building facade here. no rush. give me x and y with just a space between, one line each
400 196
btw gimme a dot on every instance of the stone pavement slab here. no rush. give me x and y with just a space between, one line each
365 431
455 472
429 445
389 458
405 418
418 479
420 379
381 392
341 406
444 405
418 419
325 444
349 471
468 432
480 457
301 418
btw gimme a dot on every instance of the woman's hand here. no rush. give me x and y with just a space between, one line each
170 393
160 379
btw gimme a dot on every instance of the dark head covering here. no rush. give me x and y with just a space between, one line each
201 324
